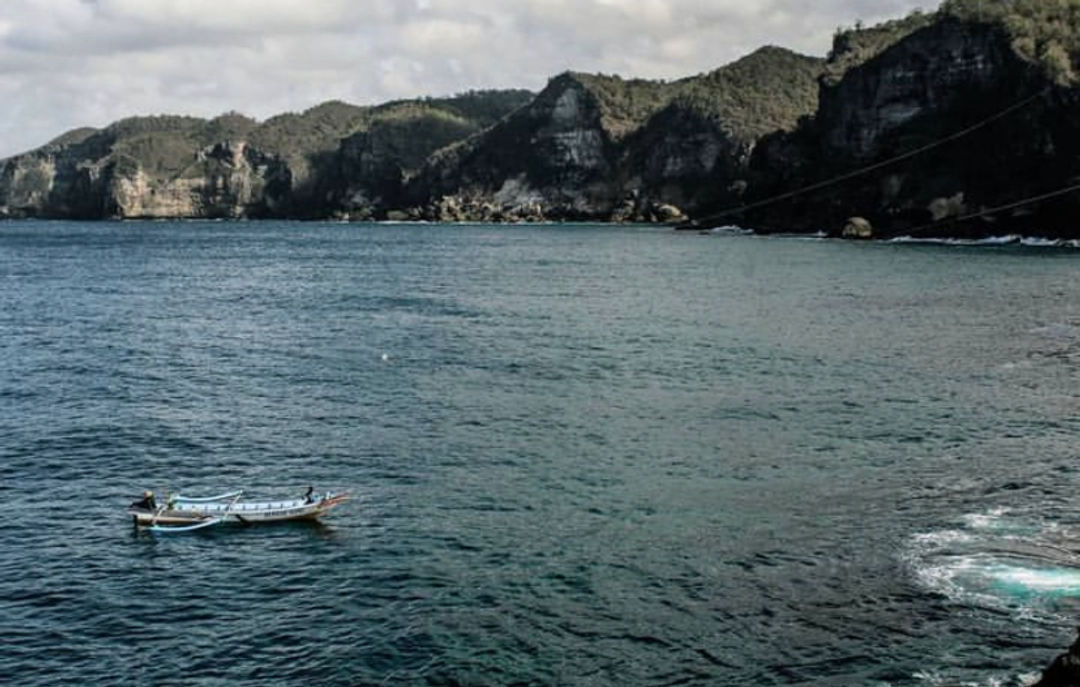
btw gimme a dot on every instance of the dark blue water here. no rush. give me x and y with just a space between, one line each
580 456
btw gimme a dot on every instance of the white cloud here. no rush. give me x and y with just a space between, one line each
69 63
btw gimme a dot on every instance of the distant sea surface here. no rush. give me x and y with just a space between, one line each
579 455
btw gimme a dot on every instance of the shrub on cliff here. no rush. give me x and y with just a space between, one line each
626 104
485 106
766 91
856 45
1046 32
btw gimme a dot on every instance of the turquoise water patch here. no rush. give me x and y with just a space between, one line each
999 560
1021 581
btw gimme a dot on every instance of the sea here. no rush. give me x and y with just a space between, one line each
578 455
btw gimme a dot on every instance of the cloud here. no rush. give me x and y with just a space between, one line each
70 63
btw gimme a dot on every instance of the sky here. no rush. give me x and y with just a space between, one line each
72 63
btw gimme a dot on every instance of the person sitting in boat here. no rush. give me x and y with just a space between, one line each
147 502
308 498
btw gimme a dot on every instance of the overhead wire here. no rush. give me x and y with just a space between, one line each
877 165
995 210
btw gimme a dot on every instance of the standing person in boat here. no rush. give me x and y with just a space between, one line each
147 502
307 495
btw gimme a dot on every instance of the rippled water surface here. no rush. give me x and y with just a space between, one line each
580 456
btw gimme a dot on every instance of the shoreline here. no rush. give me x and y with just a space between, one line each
1025 240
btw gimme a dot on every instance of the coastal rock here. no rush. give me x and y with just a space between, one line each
666 213
1064 671
943 208
858 228
945 118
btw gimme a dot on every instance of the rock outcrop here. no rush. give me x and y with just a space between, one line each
333 160
593 147
1064 671
925 137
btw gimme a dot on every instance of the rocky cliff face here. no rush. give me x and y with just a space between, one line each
926 76
227 180
940 123
333 160
147 167
542 162
602 148
374 164
685 159
972 123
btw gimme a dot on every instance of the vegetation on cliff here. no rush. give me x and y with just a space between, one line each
625 104
965 125
189 162
1046 32
858 44
595 146
768 90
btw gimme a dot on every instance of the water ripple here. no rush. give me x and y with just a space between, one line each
657 462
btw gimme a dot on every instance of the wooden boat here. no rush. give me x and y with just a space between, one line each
186 514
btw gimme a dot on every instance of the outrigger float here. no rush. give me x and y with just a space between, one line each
187 514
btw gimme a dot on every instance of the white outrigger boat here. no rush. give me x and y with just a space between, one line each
187 514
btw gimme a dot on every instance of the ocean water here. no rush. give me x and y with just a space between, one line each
580 455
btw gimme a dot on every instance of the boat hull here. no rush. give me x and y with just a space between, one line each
184 513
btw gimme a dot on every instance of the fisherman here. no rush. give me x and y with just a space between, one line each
308 498
147 502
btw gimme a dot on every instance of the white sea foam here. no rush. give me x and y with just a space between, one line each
1039 242
816 236
980 565
940 241
992 519
1020 365
1056 581
980 581
731 229
1008 239
939 679
961 580
943 538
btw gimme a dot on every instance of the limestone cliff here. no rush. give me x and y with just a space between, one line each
324 162
226 180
